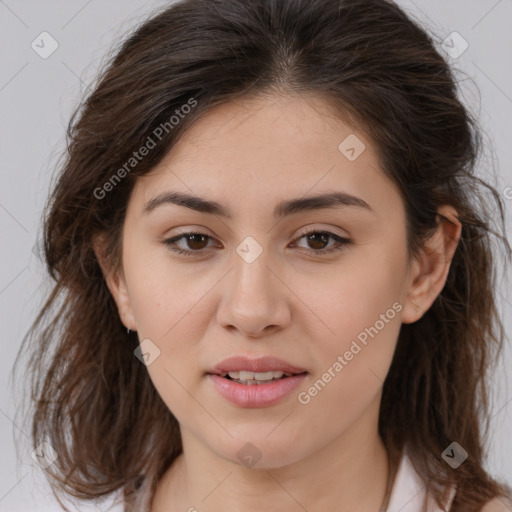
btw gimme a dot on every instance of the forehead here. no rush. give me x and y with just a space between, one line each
270 147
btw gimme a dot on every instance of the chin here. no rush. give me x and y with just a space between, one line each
256 450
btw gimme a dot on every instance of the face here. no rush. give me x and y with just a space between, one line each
323 288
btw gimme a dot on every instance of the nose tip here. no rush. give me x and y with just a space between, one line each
253 301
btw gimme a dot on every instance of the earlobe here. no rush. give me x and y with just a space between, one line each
430 268
115 282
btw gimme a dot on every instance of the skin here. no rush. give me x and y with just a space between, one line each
305 308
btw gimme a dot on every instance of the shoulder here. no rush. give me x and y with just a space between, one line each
497 505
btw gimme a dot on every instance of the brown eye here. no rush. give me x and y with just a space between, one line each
195 243
319 240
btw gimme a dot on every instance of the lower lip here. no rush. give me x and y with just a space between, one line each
256 395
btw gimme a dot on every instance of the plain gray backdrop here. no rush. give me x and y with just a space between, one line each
37 96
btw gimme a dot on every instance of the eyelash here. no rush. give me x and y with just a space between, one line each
344 242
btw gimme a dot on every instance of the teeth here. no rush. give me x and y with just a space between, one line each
257 376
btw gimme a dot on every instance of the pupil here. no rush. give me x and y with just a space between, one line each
192 239
324 236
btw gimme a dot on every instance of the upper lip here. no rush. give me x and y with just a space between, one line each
261 364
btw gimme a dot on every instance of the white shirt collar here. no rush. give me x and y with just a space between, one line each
409 491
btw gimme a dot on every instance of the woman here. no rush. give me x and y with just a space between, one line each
274 262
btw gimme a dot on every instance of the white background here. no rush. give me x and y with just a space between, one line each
36 98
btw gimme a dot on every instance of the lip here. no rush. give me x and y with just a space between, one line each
261 364
256 395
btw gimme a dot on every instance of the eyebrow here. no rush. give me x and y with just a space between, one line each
282 209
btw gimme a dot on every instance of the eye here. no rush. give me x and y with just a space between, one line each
321 238
193 240
317 239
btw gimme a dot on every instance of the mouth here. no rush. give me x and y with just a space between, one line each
245 370
261 382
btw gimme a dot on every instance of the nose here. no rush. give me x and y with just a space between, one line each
254 299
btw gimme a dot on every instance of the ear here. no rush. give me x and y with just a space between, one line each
429 270
115 281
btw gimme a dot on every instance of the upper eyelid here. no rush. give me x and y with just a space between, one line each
178 236
303 231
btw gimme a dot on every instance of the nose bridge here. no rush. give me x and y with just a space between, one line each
251 280
252 300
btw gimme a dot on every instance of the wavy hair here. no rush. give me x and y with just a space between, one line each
93 401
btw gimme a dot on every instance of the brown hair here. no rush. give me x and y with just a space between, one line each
94 401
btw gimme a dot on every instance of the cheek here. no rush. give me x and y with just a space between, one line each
358 319
352 364
168 306
352 296
162 292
